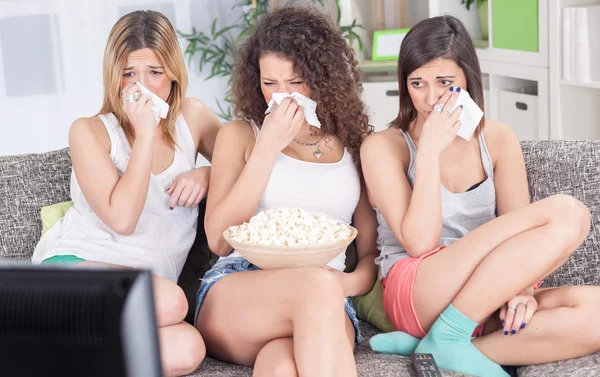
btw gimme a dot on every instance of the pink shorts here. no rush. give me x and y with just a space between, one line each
398 296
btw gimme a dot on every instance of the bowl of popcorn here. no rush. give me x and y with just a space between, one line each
290 237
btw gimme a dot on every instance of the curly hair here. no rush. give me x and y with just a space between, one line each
321 57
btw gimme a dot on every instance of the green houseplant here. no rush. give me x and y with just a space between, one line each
482 8
217 50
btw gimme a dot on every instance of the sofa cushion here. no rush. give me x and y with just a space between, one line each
569 167
586 366
49 215
28 183
199 260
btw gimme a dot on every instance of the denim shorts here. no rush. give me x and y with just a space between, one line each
228 266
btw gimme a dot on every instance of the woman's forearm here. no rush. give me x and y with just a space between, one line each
422 225
129 195
363 277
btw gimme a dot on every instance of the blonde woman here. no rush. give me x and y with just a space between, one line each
134 184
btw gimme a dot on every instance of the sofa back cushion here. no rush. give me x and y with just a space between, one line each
28 183
573 168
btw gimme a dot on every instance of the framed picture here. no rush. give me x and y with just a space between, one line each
386 44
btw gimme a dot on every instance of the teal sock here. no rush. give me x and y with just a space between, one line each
397 342
449 340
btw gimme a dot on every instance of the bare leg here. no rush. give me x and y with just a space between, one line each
245 311
507 255
564 327
182 347
493 263
276 358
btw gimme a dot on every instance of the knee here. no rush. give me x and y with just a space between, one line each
173 307
573 218
321 288
281 368
192 352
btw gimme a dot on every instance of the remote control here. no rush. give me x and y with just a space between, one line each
424 365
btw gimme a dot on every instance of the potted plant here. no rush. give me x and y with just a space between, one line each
482 8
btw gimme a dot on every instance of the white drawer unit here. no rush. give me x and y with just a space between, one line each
520 112
381 99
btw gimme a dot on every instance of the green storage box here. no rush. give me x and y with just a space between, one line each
515 25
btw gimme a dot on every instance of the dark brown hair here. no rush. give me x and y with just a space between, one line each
321 57
433 38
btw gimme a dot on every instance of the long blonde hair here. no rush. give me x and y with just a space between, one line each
134 31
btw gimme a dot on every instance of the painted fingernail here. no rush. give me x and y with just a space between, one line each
451 88
457 90
461 106
172 208
502 322
513 332
505 332
523 325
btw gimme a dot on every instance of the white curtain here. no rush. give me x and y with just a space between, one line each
51 62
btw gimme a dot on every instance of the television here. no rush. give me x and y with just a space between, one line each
77 321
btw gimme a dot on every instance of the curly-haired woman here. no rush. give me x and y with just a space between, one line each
292 322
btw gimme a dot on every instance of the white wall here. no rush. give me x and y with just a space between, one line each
51 59
51 62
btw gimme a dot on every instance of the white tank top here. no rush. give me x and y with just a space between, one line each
162 238
329 188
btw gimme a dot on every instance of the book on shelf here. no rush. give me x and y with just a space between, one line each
581 43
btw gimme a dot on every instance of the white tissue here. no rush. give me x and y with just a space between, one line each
470 117
309 106
159 107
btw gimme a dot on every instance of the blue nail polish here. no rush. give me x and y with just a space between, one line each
523 325
502 322
461 106
513 332
451 88
457 90
506 333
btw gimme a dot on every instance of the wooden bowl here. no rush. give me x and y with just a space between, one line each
271 257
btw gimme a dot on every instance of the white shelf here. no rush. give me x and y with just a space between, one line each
593 85
471 21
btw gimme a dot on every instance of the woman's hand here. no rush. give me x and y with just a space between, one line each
139 112
344 279
188 189
281 126
517 313
440 129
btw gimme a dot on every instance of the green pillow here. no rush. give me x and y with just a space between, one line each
370 308
51 214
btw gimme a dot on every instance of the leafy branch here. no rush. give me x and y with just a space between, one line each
469 2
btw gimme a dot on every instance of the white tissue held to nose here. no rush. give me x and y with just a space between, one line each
159 107
470 117
309 106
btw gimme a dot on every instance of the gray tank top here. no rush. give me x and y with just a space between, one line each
461 212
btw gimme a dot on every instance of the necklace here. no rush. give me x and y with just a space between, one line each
316 153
